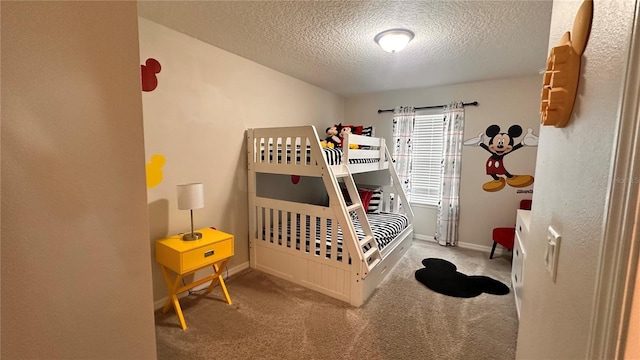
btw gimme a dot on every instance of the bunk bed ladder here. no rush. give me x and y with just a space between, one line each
368 244
401 196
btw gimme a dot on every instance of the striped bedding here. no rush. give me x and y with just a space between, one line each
385 228
333 156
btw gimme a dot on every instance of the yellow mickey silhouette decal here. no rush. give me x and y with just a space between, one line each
154 170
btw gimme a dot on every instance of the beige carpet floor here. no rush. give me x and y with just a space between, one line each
274 319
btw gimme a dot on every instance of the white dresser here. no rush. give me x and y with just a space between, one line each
523 220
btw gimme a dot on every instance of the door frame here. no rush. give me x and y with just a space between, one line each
619 253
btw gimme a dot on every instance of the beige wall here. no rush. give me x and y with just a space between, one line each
196 118
502 102
76 279
573 177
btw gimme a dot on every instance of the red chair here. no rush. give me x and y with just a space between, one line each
505 235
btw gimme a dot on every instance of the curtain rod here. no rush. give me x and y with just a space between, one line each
475 103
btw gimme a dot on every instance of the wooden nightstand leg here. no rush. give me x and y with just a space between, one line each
171 286
225 292
176 306
173 296
218 271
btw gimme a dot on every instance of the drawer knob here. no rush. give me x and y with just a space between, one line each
208 253
520 228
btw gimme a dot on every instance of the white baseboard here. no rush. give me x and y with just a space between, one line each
487 249
158 304
424 238
238 268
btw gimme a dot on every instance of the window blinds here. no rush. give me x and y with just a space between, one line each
428 133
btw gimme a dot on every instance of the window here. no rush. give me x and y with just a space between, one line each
428 133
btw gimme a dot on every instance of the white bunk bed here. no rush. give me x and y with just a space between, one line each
296 241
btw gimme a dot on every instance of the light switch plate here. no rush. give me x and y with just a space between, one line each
552 252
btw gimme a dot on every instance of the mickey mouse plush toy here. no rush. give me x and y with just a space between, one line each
333 135
344 130
501 144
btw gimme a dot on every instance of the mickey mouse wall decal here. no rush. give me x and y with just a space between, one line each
500 145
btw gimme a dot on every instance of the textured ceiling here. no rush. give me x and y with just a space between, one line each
330 43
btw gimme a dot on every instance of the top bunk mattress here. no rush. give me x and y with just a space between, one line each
333 156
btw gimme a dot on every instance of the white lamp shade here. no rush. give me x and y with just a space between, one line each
394 40
190 196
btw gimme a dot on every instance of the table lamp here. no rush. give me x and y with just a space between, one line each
191 196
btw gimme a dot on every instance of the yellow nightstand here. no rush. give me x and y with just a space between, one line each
185 257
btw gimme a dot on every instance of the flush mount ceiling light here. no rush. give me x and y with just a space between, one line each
394 40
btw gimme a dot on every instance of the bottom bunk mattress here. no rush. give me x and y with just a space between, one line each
385 228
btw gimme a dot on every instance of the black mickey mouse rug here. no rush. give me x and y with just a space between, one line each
441 276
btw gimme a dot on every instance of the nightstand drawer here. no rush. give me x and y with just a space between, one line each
205 255
186 256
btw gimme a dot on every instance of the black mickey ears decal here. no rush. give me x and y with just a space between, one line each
441 276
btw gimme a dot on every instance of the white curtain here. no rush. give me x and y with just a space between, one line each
403 118
449 205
